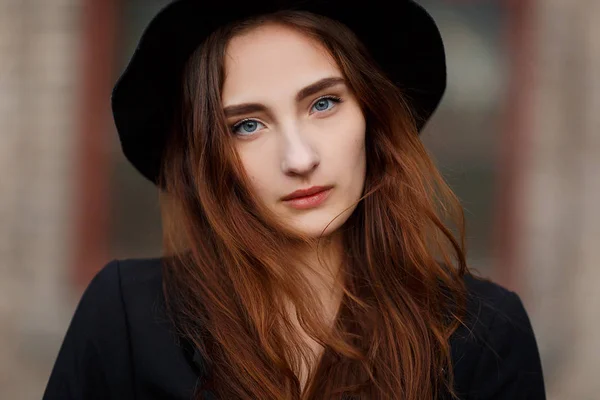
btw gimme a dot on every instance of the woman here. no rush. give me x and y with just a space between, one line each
308 235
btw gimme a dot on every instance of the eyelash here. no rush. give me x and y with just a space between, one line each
333 98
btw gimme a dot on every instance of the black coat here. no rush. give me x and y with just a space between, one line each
119 344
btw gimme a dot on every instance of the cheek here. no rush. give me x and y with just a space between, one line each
352 156
258 169
350 149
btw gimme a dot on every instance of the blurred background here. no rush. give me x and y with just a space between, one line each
517 136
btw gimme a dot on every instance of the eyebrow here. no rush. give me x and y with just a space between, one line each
313 88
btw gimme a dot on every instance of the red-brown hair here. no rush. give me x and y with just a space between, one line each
403 268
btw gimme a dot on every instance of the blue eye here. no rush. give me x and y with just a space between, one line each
249 125
322 103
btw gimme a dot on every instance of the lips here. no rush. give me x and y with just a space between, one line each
309 198
305 192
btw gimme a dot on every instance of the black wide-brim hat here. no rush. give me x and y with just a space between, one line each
400 35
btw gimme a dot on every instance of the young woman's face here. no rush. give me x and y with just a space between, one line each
291 132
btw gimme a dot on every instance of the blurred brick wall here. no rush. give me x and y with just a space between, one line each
38 77
560 250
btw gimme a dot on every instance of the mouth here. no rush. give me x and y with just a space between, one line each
307 198
306 192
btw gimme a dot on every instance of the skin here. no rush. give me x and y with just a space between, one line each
295 144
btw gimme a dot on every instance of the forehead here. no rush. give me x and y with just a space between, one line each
274 59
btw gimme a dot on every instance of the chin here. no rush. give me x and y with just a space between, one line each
315 233
315 227
317 223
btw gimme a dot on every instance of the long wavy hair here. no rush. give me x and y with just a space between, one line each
229 268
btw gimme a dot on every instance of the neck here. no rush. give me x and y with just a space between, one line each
321 266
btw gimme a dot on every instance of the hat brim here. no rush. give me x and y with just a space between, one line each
401 36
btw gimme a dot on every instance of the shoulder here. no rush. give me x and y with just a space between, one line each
110 290
109 281
93 361
495 352
102 308
128 272
492 309
128 290
138 276
116 312
119 280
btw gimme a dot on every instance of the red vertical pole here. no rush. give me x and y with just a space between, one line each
93 141
513 144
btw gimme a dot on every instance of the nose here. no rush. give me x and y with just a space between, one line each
299 156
